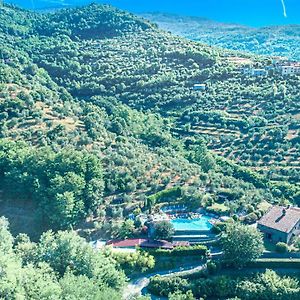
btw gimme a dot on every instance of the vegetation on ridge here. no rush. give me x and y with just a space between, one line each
100 122
65 91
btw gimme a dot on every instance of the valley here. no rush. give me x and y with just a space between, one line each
127 150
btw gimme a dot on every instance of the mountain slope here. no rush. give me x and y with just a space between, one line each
273 40
99 97
133 69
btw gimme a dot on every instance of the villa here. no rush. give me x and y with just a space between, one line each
280 224
290 69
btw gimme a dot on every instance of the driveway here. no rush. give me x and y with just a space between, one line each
135 287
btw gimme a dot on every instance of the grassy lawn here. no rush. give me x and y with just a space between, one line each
219 207
264 206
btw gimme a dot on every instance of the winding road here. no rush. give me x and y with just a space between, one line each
135 287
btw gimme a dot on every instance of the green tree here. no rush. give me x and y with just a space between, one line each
6 239
66 211
39 283
127 229
163 230
67 252
181 296
269 285
199 154
81 287
241 244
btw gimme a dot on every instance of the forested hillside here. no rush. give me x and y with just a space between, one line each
272 40
135 71
100 121
120 103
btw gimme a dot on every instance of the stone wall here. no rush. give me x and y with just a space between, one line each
276 236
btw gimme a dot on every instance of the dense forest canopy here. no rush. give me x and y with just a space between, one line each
40 271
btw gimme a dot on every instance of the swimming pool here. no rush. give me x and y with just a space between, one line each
202 223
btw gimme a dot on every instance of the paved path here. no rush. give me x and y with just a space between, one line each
135 287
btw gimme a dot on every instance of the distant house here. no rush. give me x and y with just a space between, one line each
280 224
143 243
199 87
290 70
277 60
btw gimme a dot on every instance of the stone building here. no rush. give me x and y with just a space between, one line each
280 224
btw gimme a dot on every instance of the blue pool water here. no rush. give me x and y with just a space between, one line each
194 224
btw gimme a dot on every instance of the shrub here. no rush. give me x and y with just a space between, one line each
200 250
297 243
219 287
219 227
163 230
212 267
161 196
164 286
251 218
218 209
138 260
181 296
282 247
272 263
196 250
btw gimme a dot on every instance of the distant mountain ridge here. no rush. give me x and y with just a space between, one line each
272 40
253 13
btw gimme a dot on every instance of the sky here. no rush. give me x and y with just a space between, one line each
247 12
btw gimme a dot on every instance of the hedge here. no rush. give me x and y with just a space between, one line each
196 250
162 195
275 263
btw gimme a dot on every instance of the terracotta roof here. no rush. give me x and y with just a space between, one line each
144 243
281 218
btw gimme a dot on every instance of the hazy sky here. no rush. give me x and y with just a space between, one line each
250 12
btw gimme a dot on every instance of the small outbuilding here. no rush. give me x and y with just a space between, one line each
143 243
291 69
199 87
280 224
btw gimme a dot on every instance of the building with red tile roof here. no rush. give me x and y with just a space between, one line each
143 243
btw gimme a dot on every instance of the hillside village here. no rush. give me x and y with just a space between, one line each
281 66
